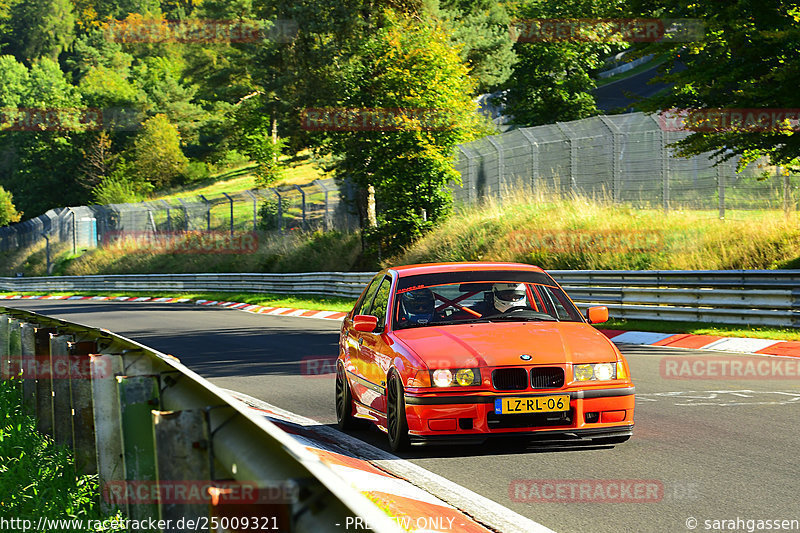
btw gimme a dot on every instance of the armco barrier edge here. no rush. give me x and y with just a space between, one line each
745 297
133 414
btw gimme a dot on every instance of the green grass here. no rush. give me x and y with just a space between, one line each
311 302
698 328
38 477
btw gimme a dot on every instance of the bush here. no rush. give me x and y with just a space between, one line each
8 213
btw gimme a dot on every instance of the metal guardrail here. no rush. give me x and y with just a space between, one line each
146 424
745 297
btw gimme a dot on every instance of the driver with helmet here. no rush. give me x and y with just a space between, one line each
417 306
507 296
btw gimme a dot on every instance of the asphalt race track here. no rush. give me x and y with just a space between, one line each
718 449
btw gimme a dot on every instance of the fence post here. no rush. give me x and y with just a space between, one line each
616 156
255 209
169 217
303 200
230 200
500 165
326 220
533 155
280 210
721 184
208 211
663 160
185 214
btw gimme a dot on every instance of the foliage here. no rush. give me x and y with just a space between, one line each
157 157
8 213
748 58
38 478
410 65
552 81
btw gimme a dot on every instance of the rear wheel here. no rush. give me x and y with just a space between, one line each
344 401
396 423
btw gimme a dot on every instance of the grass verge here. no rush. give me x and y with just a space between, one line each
311 302
37 477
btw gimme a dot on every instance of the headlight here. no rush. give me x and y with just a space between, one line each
465 377
442 377
595 372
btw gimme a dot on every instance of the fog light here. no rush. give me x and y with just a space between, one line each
583 372
465 377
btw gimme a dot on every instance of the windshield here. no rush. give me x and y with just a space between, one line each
420 305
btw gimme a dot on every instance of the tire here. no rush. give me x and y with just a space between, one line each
344 402
396 423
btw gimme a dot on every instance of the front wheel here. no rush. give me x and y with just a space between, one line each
396 423
344 401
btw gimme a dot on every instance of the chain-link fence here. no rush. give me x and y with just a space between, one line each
623 158
318 205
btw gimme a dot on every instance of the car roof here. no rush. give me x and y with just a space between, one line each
431 268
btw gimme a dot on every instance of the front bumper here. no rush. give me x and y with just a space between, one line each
596 414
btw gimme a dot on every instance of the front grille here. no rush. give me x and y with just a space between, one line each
510 379
547 378
529 420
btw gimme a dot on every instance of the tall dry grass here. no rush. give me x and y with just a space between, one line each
582 233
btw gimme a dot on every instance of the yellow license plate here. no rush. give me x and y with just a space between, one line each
537 404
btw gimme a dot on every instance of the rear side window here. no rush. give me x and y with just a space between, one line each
366 301
381 302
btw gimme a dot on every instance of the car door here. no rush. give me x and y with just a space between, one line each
352 340
375 354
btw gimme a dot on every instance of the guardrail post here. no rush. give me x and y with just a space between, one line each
5 355
62 399
182 454
15 354
137 397
27 351
44 383
83 429
107 423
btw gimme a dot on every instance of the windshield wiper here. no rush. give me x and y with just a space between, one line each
518 318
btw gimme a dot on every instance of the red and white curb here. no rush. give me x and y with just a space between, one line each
670 340
705 342
416 499
239 306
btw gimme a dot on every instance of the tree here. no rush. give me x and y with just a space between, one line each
480 28
410 66
157 155
8 213
749 58
552 81
42 28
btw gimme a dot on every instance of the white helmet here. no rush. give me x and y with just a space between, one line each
508 296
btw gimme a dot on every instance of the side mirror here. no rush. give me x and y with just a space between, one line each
597 315
366 323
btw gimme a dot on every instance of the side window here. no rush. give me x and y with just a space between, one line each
363 305
381 301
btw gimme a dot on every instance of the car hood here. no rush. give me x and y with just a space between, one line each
501 344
